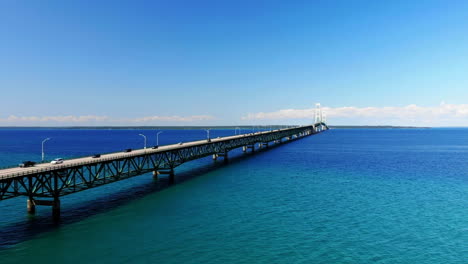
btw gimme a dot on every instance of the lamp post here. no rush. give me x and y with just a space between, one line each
235 131
157 137
144 138
44 141
208 134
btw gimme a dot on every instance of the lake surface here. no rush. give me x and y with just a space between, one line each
343 196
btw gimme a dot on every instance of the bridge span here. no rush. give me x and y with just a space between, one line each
45 183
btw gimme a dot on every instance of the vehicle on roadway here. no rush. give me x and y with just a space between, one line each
57 161
26 164
95 156
128 150
155 147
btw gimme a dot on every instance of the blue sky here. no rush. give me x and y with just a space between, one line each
233 62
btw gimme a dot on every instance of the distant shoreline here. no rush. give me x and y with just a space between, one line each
382 127
201 127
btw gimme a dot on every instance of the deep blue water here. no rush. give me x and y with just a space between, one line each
343 196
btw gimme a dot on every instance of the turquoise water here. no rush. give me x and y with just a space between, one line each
344 196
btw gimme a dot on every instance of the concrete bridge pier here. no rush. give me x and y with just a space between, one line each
56 208
169 172
31 206
221 154
252 147
172 177
244 148
55 204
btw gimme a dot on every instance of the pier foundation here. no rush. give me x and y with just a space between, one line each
31 206
56 209
222 154
55 204
252 147
172 178
169 172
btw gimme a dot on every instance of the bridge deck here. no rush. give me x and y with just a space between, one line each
49 181
43 167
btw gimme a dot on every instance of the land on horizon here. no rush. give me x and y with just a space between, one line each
205 127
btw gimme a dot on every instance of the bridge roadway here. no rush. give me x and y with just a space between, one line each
47 180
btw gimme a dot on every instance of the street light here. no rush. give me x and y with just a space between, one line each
157 137
208 134
43 141
144 138
235 131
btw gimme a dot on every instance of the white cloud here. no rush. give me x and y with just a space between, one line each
174 118
74 119
440 115
14 120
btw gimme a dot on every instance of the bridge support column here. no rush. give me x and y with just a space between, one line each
155 175
55 204
222 154
172 177
56 208
252 147
31 206
244 148
169 172
225 156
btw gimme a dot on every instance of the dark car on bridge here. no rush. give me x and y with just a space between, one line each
26 164
128 150
95 156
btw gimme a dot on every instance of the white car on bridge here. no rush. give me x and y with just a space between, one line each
57 161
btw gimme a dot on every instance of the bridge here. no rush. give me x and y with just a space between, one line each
45 183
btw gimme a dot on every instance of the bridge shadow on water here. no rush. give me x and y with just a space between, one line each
32 226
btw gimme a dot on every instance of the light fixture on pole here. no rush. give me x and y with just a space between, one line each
144 138
157 137
208 134
44 141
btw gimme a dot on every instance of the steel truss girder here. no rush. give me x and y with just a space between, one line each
60 182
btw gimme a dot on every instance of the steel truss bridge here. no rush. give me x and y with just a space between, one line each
45 183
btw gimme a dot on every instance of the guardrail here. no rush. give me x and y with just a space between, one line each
28 171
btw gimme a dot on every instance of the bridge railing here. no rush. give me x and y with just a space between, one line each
103 159
62 166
